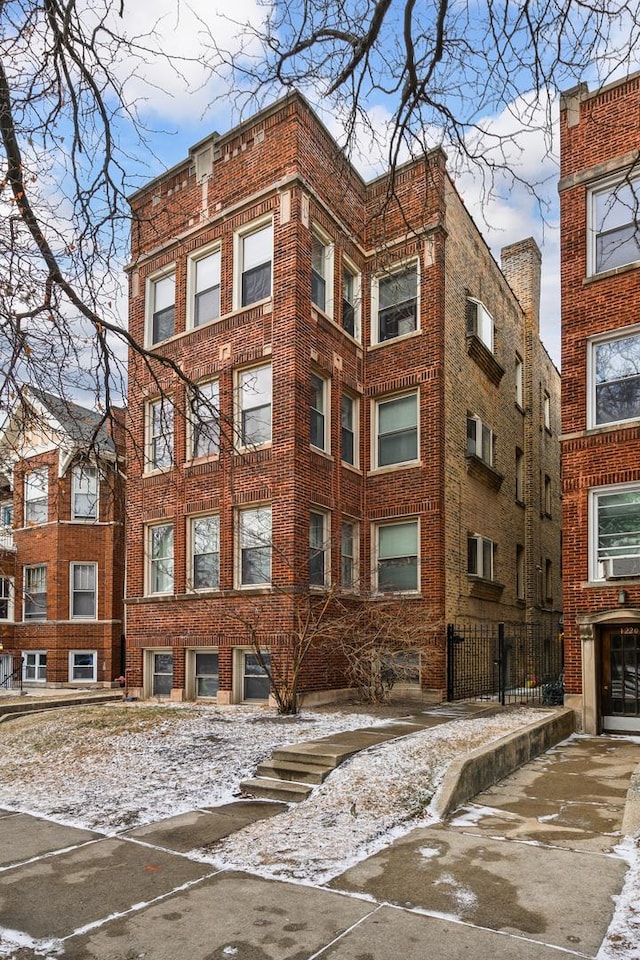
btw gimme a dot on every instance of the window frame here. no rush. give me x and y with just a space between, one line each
623 333
210 250
609 185
241 513
38 665
322 550
73 590
519 377
353 558
376 436
209 425
354 431
519 476
520 572
349 267
476 326
596 573
192 668
27 572
546 410
480 546
150 313
400 267
319 236
239 237
7 598
483 435
191 573
83 653
152 438
153 562
386 524
241 409
324 413
82 469
31 502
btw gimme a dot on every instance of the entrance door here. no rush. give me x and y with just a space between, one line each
621 678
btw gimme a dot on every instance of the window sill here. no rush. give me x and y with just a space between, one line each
196 594
614 272
481 471
394 467
351 468
480 353
321 453
401 339
209 325
318 314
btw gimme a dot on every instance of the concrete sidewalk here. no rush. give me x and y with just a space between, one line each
524 872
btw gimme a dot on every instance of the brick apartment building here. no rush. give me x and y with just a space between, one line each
374 410
61 545
599 193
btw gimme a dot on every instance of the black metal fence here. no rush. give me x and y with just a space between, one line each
10 673
511 663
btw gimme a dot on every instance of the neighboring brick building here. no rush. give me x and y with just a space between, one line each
388 419
61 544
600 257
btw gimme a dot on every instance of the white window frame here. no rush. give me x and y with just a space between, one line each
73 590
238 261
318 236
355 429
376 528
150 289
152 562
243 537
348 266
32 502
378 402
481 324
322 549
548 580
240 674
209 423
547 495
165 406
83 653
546 410
519 477
403 266
481 445
608 186
242 390
26 571
352 559
324 413
596 572
7 594
6 515
625 333
519 375
481 560
193 520
80 472
38 666
192 290
192 676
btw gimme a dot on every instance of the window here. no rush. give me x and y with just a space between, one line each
84 492
322 272
6 598
396 430
160 434
395 303
479 322
83 665
546 410
36 496
6 515
161 674
614 218
205 284
520 592
254 541
319 411
319 562
547 496
160 558
161 293
205 553
519 475
519 371
254 253
548 580
255 679
35 666
615 530
254 402
351 301
479 440
83 591
206 667
480 556
349 555
349 434
205 420
614 379
35 593
397 557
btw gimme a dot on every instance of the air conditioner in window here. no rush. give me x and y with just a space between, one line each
616 568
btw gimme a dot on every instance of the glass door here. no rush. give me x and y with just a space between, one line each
620 687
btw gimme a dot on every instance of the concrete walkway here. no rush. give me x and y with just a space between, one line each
523 872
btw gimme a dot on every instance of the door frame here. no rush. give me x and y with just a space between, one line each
589 704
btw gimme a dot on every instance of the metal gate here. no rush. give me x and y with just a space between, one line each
509 663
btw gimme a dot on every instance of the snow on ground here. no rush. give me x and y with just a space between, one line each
622 941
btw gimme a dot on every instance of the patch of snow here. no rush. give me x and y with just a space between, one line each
623 936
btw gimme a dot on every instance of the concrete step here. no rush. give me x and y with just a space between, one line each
289 770
272 789
323 755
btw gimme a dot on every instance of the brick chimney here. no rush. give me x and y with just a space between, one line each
521 265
